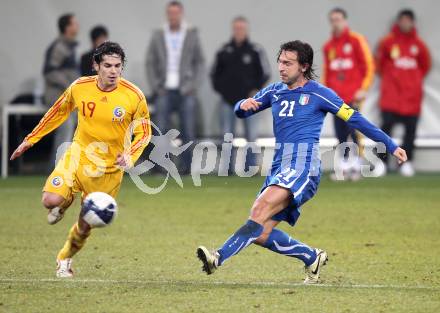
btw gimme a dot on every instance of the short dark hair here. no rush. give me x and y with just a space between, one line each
108 48
408 13
64 21
339 10
240 18
305 55
175 3
97 32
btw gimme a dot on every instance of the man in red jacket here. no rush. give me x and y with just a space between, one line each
348 70
403 61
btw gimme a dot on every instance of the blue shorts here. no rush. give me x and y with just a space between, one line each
303 187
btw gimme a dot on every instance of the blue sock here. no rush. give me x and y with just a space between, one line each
242 238
280 242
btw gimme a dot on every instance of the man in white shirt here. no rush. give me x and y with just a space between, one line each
175 65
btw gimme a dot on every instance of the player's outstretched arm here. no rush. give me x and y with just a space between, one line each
335 105
261 101
250 104
25 145
357 121
246 107
54 117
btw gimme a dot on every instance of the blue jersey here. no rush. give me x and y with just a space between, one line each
298 116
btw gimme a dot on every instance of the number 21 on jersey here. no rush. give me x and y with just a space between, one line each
287 108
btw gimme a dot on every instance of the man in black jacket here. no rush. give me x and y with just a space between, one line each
240 69
98 35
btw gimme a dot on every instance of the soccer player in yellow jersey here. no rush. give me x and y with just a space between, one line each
113 130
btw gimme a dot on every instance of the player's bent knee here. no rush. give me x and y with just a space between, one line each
51 200
260 211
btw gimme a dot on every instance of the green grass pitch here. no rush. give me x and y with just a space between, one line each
382 236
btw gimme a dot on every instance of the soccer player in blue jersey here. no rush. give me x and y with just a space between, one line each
299 105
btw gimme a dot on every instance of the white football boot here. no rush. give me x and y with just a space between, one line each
209 259
64 268
313 270
55 215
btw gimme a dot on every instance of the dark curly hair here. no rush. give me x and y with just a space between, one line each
108 48
305 55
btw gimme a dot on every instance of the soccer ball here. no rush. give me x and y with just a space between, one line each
99 209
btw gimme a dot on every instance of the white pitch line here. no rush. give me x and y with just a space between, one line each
219 283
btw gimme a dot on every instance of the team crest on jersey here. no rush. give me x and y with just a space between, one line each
347 48
57 181
304 99
414 50
395 52
118 114
331 54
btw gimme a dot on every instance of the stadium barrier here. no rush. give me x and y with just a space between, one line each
426 161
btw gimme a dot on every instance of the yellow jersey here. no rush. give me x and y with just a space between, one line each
109 122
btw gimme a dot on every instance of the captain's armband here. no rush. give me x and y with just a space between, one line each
345 112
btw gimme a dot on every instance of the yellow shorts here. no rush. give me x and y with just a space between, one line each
70 177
